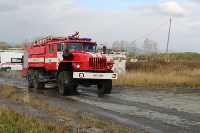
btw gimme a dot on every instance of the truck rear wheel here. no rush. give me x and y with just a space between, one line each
65 83
30 79
36 83
105 87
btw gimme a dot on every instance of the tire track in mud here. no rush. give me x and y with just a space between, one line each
66 101
143 116
141 124
113 100
186 121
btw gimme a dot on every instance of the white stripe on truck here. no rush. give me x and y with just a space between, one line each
35 59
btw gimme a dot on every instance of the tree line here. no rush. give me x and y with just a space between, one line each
148 48
6 46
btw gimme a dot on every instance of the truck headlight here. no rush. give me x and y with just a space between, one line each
78 66
109 66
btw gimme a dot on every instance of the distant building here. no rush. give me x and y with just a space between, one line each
119 59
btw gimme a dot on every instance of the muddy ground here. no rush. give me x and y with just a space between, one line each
153 110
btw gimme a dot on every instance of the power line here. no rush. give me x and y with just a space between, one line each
148 34
186 26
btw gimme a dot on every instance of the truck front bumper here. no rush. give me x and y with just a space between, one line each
89 75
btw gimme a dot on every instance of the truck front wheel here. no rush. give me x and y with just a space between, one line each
105 87
65 83
36 83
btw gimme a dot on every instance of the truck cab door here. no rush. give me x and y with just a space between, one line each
51 57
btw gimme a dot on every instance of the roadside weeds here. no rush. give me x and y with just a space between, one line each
14 121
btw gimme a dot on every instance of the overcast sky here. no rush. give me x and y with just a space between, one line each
103 20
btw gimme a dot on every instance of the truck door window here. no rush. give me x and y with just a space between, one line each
51 48
60 47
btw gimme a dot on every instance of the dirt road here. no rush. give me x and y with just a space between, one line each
147 110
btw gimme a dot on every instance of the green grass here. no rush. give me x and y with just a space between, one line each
174 57
15 122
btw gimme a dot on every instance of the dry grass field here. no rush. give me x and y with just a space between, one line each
162 78
161 73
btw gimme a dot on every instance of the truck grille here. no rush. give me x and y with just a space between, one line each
97 63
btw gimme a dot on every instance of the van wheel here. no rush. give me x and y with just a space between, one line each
105 87
66 84
36 83
8 69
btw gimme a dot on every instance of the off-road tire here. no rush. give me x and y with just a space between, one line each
108 86
30 79
105 87
36 83
65 84
75 89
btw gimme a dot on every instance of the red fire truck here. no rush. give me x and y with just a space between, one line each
69 61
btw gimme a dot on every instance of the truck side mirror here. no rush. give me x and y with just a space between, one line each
67 55
104 49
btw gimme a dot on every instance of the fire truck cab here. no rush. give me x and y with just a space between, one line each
69 61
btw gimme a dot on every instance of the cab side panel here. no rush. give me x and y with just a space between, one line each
51 57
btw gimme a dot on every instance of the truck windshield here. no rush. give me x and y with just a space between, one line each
87 47
74 46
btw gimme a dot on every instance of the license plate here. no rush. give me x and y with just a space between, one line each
98 75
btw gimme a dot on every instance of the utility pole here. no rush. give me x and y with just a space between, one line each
167 51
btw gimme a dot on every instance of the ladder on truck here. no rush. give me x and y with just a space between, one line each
45 40
51 38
